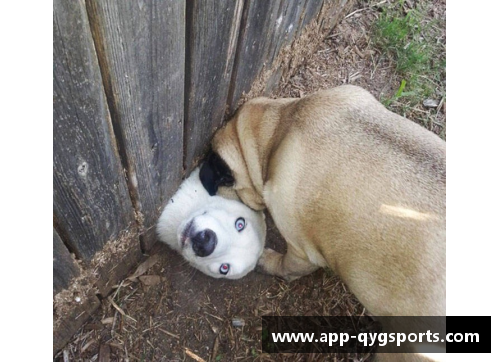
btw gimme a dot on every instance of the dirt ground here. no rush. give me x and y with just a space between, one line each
174 313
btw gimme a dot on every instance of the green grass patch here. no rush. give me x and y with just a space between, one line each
409 39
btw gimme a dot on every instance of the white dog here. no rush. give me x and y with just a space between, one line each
218 236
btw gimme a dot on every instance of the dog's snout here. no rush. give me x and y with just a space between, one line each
204 242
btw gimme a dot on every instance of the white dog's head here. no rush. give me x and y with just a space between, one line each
223 238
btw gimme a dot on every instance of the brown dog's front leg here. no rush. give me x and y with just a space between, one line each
289 266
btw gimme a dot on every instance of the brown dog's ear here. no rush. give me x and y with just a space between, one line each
215 173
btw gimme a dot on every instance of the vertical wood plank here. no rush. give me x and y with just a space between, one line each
64 267
295 17
267 26
91 201
287 25
283 28
256 34
140 45
311 11
63 329
213 28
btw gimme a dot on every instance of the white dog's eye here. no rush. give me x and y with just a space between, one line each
224 269
240 224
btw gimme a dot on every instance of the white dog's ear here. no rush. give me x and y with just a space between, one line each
215 173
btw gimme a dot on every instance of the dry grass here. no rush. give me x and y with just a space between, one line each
354 54
185 315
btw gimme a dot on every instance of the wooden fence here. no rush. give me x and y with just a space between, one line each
139 88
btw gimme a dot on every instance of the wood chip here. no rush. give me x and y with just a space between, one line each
87 345
93 326
356 49
215 349
120 310
116 345
65 355
143 268
193 355
169 333
104 353
150 280
108 320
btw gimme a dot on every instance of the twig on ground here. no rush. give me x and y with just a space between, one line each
193 355
120 310
363 9
169 333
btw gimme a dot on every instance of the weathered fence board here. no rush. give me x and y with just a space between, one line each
64 267
141 52
212 32
139 89
284 19
75 318
294 16
338 8
267 26
311 10
91 201
258 25
286 26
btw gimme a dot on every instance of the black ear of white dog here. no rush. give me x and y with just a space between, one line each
215 173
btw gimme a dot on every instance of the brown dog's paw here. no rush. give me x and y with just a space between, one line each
284 266
265 261
269 264
261 270
269 259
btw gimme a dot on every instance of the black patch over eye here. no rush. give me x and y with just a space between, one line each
224 269
240 224
214 173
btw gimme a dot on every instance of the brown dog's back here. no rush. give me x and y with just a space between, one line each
351 186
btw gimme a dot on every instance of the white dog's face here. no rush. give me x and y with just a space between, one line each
223 239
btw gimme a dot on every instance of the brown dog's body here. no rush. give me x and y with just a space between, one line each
351 186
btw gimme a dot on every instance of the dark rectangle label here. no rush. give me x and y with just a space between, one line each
376 334
462 330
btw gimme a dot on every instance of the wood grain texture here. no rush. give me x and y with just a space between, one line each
267 27
64 267
74 320
91 201
212 34
259 22
118 266
338 9
295 17
310 12
140 45
126 76
287 25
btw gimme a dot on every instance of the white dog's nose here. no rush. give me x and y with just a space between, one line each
204 242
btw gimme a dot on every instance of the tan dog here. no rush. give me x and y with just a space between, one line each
351 186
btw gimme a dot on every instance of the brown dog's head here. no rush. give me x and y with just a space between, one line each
227 163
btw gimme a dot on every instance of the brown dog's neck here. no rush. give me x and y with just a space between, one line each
227 145
248 141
